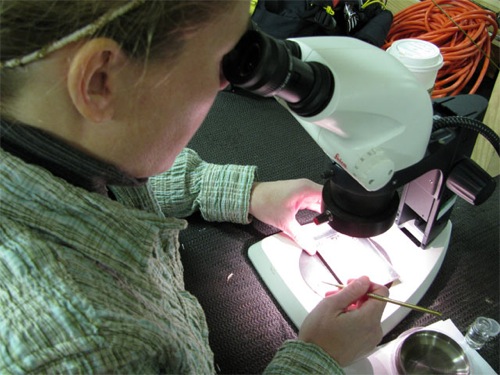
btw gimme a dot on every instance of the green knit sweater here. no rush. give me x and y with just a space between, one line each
93 285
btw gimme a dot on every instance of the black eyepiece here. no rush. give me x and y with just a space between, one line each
269 67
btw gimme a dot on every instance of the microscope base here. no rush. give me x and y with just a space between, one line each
276 259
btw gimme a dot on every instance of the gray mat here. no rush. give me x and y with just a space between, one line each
246 325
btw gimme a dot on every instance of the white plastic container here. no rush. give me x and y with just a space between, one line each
422 58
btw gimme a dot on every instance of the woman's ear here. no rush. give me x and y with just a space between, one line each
91 78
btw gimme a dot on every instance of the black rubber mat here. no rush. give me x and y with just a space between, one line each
246 325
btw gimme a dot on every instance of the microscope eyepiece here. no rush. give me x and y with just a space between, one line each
269 67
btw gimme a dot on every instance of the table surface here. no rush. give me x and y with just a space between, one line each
246 325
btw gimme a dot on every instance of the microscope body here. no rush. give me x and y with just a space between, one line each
375 121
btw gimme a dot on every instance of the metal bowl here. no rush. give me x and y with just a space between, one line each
430 352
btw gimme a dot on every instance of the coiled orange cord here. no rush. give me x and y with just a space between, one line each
460 29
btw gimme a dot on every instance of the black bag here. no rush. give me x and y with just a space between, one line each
290 18
284 19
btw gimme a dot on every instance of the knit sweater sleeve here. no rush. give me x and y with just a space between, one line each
219 192
297 357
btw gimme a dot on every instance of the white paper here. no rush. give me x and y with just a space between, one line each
350 257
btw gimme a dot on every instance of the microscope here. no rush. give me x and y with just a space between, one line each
398 162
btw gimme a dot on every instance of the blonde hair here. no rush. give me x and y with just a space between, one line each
145 29
73 37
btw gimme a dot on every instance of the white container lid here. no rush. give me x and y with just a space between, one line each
416 54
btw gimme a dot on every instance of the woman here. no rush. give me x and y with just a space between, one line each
98 101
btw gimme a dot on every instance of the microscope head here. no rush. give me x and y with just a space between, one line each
360 105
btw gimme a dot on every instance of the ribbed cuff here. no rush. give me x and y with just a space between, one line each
226 193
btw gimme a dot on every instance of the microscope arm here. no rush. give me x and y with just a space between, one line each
432 185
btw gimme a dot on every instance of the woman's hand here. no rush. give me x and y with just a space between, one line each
346 324
276 203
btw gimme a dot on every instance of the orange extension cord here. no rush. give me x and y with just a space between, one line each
460 29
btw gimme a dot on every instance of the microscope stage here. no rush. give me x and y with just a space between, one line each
298 281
